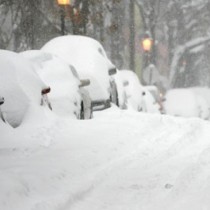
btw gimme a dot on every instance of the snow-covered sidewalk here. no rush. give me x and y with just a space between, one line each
120 160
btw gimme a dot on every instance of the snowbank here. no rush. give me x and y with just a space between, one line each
121 160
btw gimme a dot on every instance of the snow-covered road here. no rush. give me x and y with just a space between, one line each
120 160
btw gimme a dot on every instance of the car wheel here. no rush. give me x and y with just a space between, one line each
82 112
114 93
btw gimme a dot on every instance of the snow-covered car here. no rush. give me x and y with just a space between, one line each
22 88
1 103
149 103
90 60
188 102
129 90
132 95
68 96
157 97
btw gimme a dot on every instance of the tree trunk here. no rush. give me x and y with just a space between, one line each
132 35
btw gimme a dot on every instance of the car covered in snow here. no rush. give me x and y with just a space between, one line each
68 96
132 95
22 88
90 60
129 90
149 102
155 97
188 102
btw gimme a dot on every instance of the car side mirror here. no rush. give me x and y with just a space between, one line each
1 101
112 71
125 83
46 90
84 82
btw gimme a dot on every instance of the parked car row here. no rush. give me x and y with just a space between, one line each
70 76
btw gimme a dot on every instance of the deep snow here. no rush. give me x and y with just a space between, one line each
119 160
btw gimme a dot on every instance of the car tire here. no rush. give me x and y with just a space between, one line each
114 93
82 111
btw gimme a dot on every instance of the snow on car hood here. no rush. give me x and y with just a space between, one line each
89 59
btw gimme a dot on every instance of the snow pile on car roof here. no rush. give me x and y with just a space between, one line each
89 59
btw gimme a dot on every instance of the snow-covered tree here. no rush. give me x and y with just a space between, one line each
25 24
188 35
180 29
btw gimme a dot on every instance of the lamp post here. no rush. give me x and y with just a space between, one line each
62 4
147 44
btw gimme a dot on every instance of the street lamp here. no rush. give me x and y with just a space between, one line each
147 45
62 4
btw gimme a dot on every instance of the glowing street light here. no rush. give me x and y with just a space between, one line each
147 44
62 4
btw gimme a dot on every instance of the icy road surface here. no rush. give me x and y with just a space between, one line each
120 160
